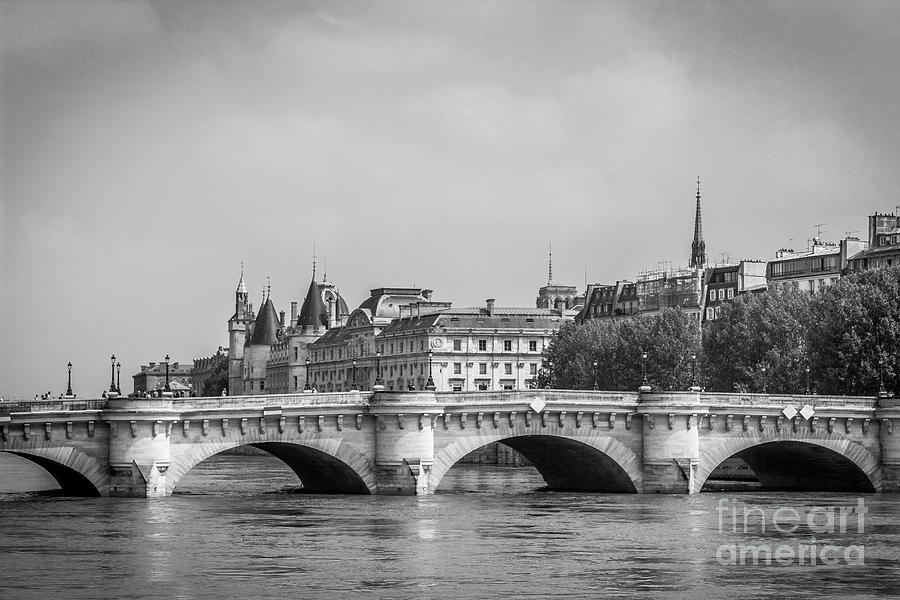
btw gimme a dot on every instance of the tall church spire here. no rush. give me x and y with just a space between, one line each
550 266
698 246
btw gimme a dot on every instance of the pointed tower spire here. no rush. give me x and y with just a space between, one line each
698 246
268 288
314 261
550 266
324 269
313 313
241 286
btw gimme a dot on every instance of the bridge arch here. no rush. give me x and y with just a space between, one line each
322 465
584 463
76 473
820 462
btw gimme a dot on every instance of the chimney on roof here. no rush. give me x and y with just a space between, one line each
427 294
405 312
153 364
281 317
490 306
293 312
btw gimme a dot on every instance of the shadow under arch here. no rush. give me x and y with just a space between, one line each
330 468
823 465
73 471
566 464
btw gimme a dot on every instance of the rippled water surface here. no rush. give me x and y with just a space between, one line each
234 529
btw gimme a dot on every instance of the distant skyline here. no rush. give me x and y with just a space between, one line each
149 147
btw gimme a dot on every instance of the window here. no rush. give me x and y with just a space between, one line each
712 294
457 345
716 311
482 345
532 369
730 293
295 352
421 345
295 382
509 386
721 294
532 346
262 385
507 345
482 368
710 314
457 387
507 368
457 368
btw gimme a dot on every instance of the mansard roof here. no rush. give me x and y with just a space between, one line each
266 327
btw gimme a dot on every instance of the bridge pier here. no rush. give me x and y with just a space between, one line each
671 447
889 441
139 448
404 442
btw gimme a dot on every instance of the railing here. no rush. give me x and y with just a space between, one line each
527 396
60 405
779 400
283 400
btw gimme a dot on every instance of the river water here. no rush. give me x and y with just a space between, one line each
236 529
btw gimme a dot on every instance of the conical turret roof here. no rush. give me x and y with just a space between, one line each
313 313
265 329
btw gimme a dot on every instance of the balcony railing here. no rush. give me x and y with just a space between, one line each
59 405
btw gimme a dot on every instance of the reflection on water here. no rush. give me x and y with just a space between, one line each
234 529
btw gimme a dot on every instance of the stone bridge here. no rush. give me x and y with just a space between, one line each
405 442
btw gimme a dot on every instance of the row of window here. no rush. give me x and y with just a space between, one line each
721 294
507 368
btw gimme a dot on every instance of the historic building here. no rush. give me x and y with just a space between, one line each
152 378
466 349
344 357
820 265
884 244
268 355
561 297
722 283
482 348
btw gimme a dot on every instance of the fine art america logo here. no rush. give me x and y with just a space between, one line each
798 528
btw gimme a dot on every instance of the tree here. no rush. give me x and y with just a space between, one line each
855 323
755 331
669 338
218 379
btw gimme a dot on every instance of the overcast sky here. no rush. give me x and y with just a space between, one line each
149 147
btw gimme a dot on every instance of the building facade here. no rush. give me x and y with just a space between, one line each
152 378
884 245
723 283
205 368
820 265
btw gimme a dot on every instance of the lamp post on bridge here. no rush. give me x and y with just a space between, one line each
596 373
69 393
763 368
429 385
167 389
354 376
119 378
306 387
112 377
807 380
549 374
645 385
882 391
694 386
379 382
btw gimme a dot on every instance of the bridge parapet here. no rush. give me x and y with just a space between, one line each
42 406
283 400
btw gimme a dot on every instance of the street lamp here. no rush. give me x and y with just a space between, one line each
549 374
167 374
354 374
596 373
379 382
69 393
119 377
807 381
112 375
763 368
694 386
882 392
429 385
306 387
645 386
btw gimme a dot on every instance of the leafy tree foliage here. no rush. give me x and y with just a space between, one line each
855 323
217 381
756 332
670 338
